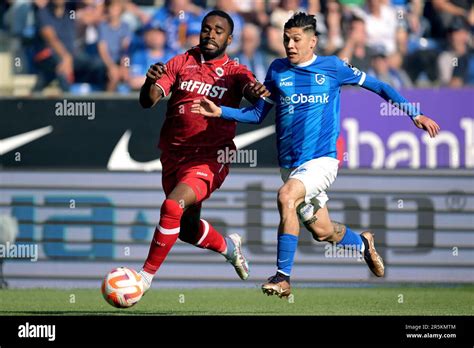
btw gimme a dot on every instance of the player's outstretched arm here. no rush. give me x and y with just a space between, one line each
253 114
150 94
392 96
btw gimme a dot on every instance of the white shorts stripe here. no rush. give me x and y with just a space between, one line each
362 79
168 230
206 231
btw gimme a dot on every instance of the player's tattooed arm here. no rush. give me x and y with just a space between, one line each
311 220
254 91
150 94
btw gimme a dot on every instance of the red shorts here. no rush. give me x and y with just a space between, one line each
203 174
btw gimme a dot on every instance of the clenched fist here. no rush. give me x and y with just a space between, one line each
155 72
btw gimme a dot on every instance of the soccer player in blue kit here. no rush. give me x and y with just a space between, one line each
306 90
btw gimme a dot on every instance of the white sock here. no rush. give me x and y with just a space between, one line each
147 277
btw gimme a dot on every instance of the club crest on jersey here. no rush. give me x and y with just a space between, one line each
320 79
220 72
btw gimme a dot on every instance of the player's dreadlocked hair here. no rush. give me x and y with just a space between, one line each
302 20
222 14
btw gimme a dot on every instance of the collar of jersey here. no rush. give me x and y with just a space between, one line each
215 62
308 63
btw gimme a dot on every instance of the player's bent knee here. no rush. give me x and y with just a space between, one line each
286 199
171 208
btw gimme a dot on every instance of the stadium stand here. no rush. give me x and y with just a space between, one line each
412 43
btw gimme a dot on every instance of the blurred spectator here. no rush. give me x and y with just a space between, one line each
90 13
134 16
253 11
5 6
155 38
278 19
421 50
421 68
356 51
250 55
453 64
56 55
192 35
312 6
18 17
231 8
19 24
395 62
309 6
382 26
441 13
176 16
288 8
418 28
333 16
382 70
471 67
114 39
58 44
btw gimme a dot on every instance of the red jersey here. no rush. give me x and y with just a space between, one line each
189 77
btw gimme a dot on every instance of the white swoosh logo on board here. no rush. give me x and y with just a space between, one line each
9 144
120 158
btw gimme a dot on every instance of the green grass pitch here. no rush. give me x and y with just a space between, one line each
409 300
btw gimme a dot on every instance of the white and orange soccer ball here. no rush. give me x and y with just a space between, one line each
122 287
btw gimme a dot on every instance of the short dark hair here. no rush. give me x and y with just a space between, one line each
222 14
356 19
302 20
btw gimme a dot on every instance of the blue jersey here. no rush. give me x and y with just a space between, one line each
307 99
307 106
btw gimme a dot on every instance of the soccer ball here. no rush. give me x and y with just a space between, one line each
122 287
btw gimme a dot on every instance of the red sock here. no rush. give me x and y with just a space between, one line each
209 238
165 235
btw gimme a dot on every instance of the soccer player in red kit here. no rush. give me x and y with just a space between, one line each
190 143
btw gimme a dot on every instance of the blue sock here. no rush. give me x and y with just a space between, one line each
287 244
351 240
